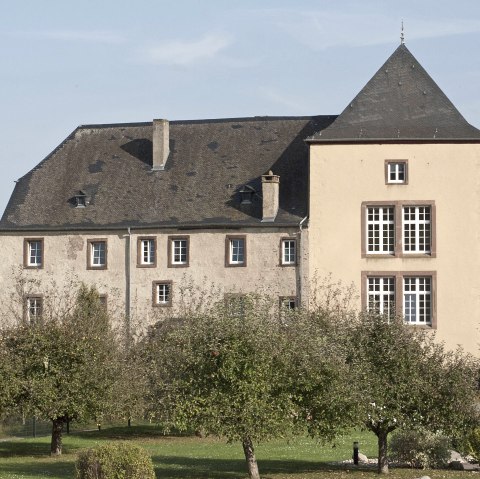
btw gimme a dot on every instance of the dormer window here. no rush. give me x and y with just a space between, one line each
80 200
246 195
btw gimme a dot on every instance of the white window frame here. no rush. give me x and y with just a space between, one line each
397 170
147 253
162 293
418 229
384 227
34 308
179 251
289 251
381 293
417 300
97 251
35 254
237 251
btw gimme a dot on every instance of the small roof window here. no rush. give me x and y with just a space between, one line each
80 200
246 195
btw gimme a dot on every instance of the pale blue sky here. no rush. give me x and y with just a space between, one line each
66 63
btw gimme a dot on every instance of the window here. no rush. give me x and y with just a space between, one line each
235 251
97 254
33 253
381 295
407 293
33 309
178 251
417 292
146 252
380 229
288 251
396 172
416 229
288 303
162 293
398 228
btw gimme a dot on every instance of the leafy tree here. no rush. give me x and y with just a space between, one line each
65 367
404 379
224 372
321 377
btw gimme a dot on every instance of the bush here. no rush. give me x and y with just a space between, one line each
420 449
115 461
470 444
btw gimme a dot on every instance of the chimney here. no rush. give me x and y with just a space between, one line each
160 140
270 194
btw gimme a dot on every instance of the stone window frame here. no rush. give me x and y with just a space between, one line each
26 253
171 241
235 300
282 251
398 228
399 292
155 301
90 243
388 181
140 263
228 252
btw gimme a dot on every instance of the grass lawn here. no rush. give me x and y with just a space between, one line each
194 458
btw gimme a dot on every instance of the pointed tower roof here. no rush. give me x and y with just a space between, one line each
400 102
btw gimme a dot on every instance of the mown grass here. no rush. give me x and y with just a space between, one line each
190 457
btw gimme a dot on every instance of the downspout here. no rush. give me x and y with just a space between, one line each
300 263
127 285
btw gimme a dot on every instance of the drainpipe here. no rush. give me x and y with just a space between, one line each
300 281
127 284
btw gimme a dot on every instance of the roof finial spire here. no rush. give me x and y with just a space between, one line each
402 36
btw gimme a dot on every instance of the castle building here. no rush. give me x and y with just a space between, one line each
383 196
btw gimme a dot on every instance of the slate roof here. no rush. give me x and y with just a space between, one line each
401 101
209 162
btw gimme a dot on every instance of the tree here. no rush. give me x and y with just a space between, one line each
223 372
404 379
65 366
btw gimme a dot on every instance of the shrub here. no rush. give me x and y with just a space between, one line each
114 461
420 449
470 444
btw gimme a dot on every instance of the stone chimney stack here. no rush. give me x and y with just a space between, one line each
160 140
270 194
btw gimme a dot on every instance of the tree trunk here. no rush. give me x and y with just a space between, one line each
57 430
382 452
250 458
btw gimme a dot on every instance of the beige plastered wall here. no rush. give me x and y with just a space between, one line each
344 176
65 262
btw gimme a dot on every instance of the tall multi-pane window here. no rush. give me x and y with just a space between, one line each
380 229
97 254
179 251
381 295
33 252
289 248
417 300
34 308
416 229
147 251
236 251
162 293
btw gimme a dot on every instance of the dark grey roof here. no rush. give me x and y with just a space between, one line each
401 101
209 162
